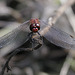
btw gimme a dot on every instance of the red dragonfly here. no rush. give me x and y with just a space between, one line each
20 35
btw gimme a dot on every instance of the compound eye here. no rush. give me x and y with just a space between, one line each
34 25
38 26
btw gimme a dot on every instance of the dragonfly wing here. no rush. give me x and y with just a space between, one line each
59 38
18 35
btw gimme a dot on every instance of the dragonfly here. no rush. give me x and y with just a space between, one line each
20 35
54 35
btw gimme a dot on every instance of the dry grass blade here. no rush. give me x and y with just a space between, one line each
66 65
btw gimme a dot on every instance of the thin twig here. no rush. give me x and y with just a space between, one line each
57 14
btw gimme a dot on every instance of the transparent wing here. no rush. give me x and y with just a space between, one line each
58 37
18 35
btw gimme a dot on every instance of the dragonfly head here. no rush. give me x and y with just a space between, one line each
34 25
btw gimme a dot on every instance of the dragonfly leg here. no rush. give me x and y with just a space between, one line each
30 35
39 35
7 62
17 51
34 40
31 39
39 44
35 43
6 66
